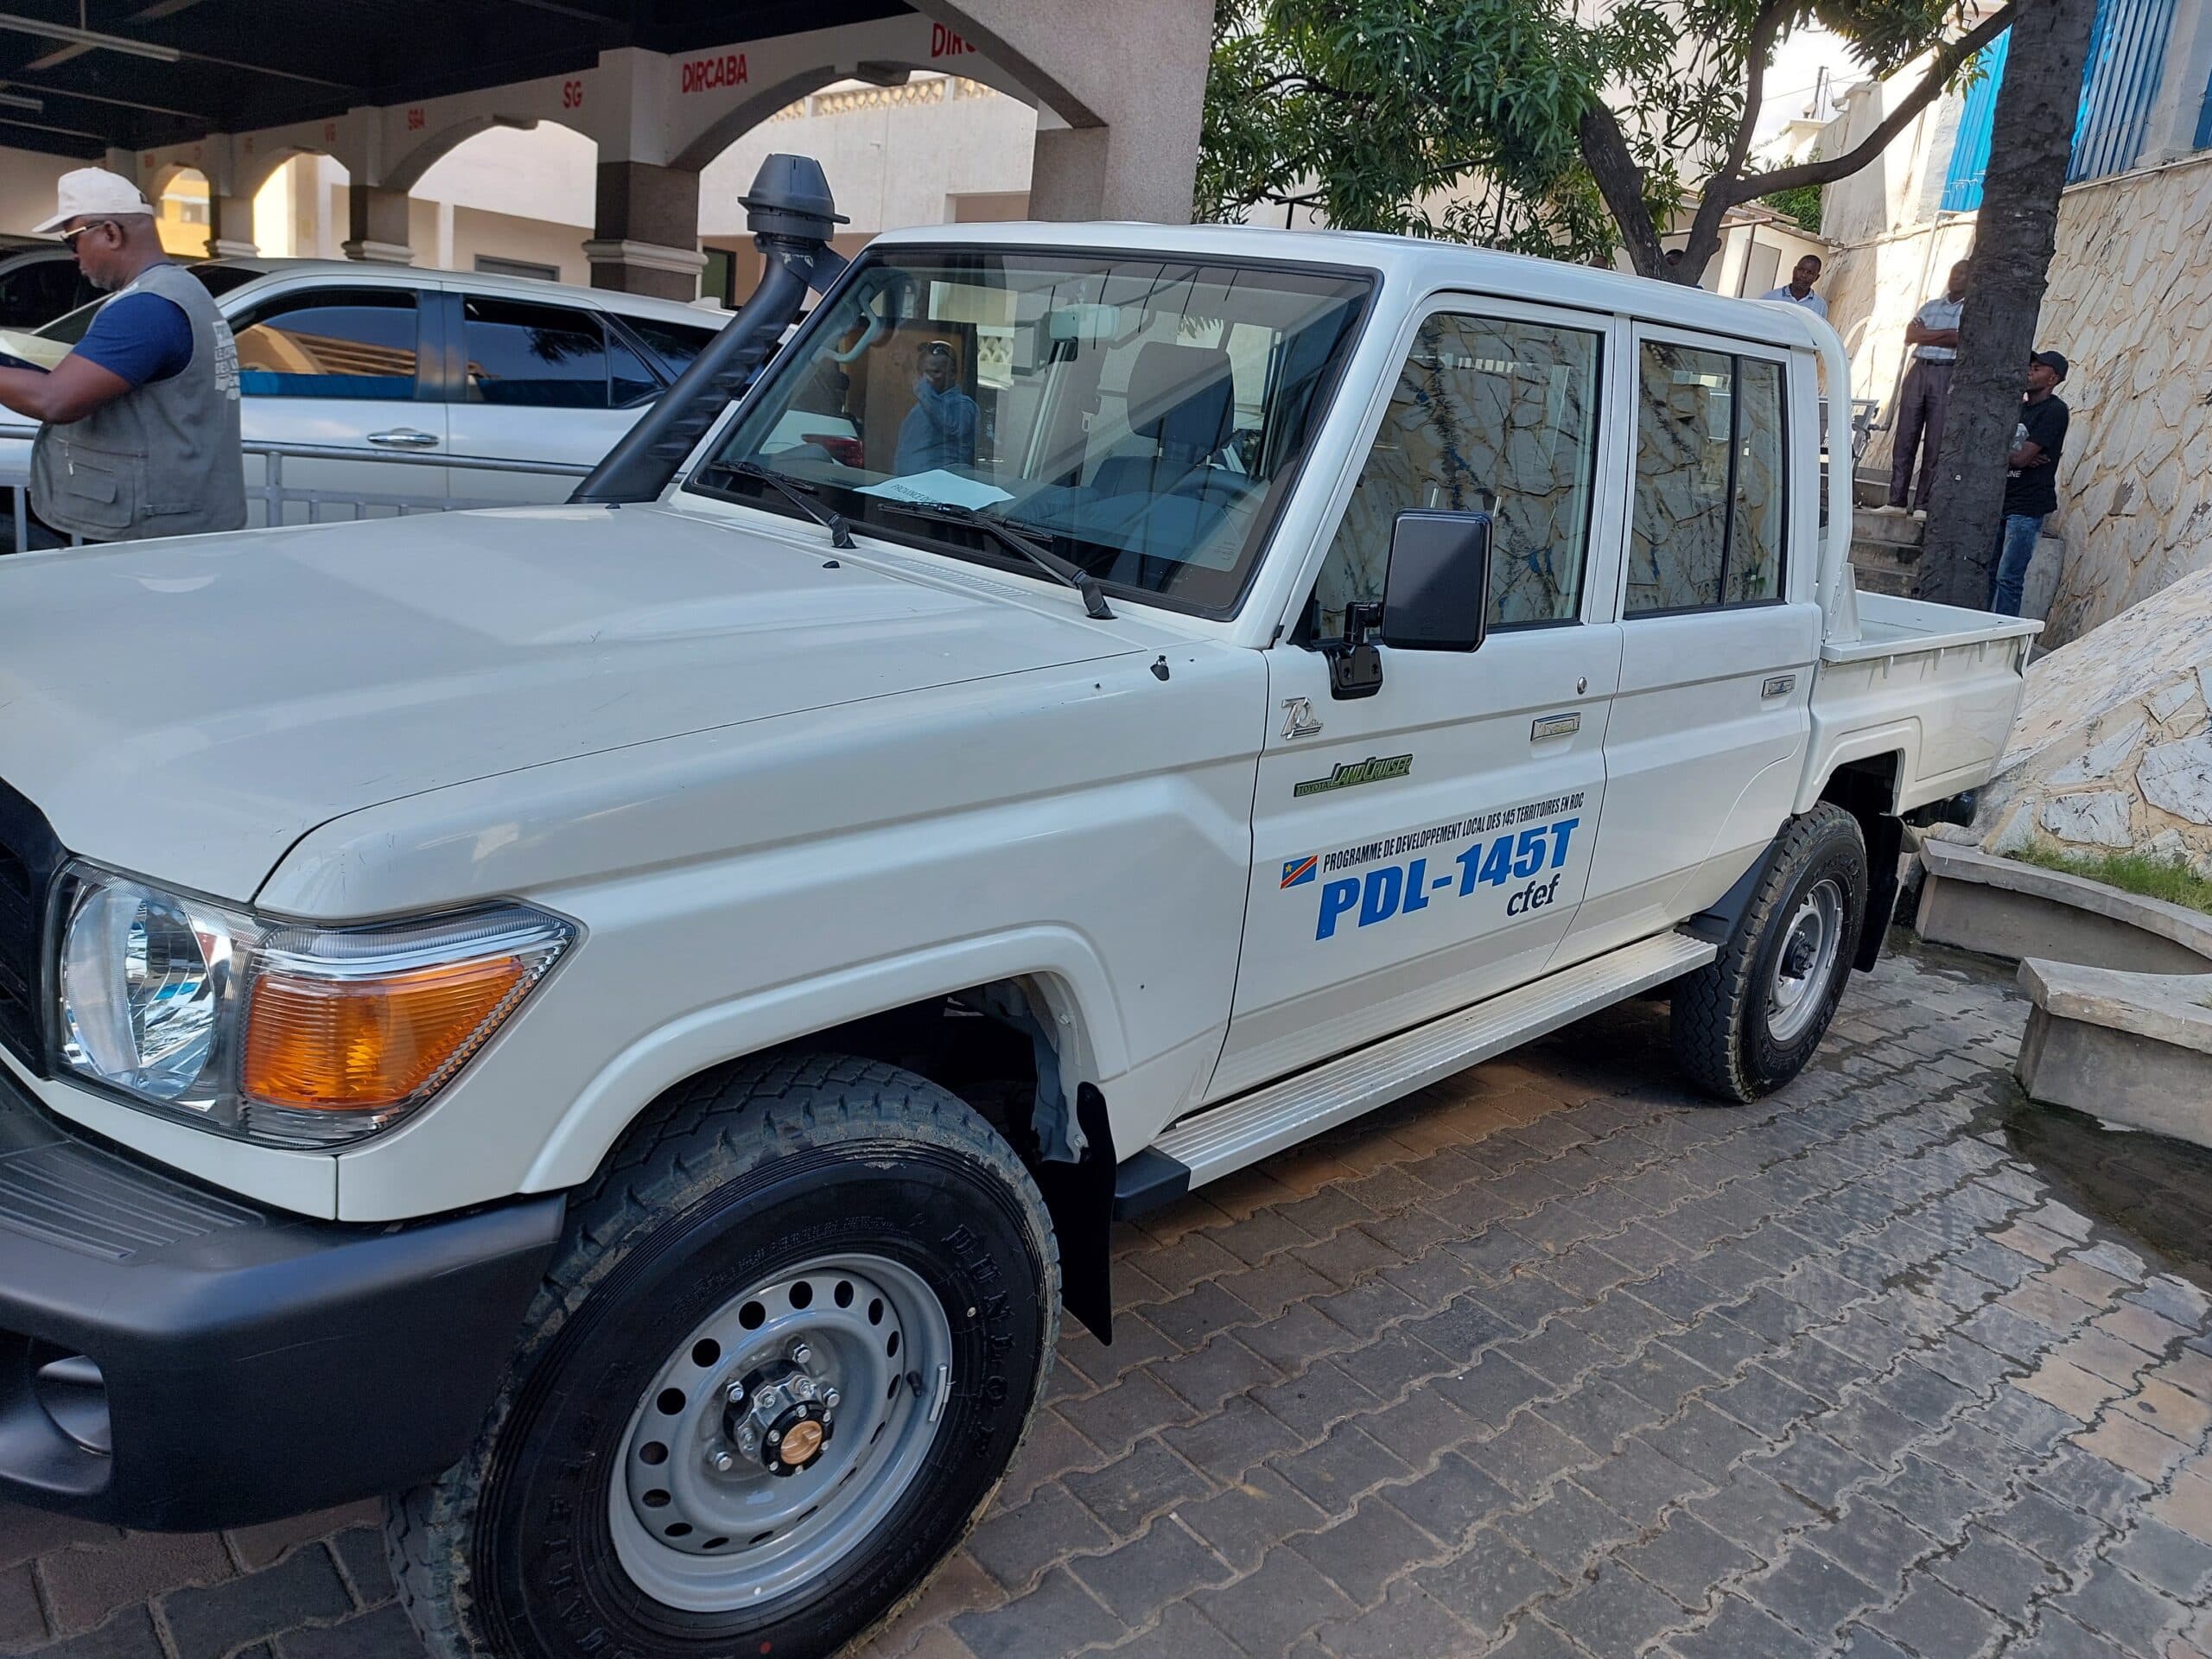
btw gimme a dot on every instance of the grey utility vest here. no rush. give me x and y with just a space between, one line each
163 460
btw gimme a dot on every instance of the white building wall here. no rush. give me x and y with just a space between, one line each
2130 304
895 155
548 172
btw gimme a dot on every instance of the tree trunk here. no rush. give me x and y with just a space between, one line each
1620 181
2030 141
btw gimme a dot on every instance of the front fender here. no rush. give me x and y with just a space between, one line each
1089 1030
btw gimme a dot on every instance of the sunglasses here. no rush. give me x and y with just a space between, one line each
69 238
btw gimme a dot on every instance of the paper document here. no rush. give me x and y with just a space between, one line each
31 349
938 486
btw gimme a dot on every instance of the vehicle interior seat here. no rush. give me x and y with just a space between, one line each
1182 400
1168 505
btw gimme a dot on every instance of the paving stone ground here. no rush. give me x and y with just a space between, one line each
1550 1361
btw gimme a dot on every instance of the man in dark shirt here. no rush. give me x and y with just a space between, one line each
940 429
2031 485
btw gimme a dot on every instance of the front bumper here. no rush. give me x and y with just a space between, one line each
174 1360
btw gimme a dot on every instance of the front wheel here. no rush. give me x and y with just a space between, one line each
787 1347
1748 1021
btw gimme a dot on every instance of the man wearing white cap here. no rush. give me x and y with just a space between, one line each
139 433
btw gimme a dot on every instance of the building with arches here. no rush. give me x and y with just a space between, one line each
228 93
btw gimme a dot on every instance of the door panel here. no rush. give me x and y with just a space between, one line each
1424 846
338 368
1376 905
1701 762
1708 732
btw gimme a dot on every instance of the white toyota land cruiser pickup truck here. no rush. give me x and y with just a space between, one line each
622 1023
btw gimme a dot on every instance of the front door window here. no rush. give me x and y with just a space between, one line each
1490 415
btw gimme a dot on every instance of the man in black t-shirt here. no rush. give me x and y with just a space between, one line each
2032 483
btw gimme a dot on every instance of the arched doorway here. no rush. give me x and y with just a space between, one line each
183 211
299 208
509 198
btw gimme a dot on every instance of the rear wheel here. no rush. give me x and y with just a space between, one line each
1747 1022
790 1343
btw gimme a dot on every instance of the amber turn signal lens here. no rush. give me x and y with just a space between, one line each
358 1045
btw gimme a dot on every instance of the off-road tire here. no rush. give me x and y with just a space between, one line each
1722 1039
679 1212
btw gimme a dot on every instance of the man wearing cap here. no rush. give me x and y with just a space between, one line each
1925 397
2031 482
139 423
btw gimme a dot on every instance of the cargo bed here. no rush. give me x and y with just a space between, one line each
1938 685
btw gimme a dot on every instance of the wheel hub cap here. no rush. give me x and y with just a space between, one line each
784 1421
792 1447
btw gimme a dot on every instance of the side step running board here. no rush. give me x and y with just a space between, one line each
1221 1139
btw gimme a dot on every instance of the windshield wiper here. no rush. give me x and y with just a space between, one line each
799 495
1061 570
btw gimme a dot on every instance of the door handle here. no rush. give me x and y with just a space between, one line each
1779 685
1554 726
403 437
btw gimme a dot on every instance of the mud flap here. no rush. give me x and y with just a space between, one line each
1080 1197
1885 845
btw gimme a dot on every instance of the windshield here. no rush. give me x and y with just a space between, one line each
1141 415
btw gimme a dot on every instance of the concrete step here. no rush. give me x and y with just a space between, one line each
1887 530
1869 489
1886 554
1888 567
1884 578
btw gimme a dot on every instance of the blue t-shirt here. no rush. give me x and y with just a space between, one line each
139 337
938 431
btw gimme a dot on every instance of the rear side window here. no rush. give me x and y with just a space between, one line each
523 356
330 343
671 342
1710 507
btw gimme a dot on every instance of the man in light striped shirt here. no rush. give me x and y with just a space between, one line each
1933 339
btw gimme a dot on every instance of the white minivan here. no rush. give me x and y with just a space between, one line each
384 389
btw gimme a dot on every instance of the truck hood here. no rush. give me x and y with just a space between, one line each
188 709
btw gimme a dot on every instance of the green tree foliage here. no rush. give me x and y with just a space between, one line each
1539 125
1801 206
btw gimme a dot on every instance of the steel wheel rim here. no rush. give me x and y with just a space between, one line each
1802 966
706 1537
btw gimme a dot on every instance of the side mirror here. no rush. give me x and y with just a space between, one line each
1436 596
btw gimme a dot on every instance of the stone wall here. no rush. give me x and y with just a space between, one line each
2131 306
2114 748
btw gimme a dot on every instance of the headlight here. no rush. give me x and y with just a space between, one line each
291 1035
145 977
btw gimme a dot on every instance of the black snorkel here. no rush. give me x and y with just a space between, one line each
790 212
